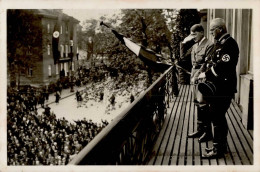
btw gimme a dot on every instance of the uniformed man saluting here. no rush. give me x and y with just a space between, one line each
200 51
220 85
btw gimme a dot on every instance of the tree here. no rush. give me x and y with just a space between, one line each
184 20
144 26
147 27
24 35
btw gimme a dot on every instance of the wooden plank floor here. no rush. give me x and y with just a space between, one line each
174 148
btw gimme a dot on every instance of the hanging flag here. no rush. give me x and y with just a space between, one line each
148 56
55 39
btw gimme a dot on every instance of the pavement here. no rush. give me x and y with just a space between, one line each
64 94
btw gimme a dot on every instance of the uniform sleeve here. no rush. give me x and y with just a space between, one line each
226 62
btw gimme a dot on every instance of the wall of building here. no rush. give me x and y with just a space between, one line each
36 59
51 71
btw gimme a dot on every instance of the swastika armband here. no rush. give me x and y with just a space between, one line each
225 58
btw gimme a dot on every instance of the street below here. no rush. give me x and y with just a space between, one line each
92 108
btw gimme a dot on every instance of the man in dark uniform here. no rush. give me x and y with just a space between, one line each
199 52
221 72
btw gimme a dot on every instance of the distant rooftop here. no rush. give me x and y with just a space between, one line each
54 13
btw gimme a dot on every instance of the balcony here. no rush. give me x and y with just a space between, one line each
153 131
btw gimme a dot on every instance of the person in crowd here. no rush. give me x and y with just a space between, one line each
60 87
79 98
220 72
42 99
46 94
101 95
132 98
57 97
47 110
112 99
199 52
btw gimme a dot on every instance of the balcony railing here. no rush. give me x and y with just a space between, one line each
130 137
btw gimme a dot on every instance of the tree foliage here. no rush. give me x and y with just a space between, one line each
183 22
147 27
23 40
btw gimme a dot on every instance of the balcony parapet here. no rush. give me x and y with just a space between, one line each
129 138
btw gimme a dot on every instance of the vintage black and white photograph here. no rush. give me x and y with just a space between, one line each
129 86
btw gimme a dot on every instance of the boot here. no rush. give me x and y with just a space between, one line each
207 135
213 154
195 134
215 151
199 132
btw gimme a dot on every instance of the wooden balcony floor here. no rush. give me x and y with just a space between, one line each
174 148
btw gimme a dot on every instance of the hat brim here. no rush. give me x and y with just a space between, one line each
207 89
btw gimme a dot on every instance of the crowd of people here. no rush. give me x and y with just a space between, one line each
30 96
114 92
42 139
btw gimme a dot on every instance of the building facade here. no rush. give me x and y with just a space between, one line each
45 69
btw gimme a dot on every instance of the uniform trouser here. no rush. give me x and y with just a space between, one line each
218 109
203 119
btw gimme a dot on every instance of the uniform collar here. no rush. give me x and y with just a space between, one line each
223 38
202 40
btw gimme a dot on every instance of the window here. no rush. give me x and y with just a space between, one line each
49 49
49 70
57 69
61 66
30 72
61 50
60 29
66 50
48 28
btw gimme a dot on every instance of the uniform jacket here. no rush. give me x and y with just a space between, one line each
199 53
223 71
